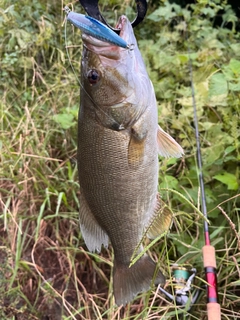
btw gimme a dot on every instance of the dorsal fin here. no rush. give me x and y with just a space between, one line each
161 220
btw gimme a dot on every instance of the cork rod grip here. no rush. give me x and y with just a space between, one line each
209 261
214 311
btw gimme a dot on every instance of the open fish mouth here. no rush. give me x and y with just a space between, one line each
105 48
105 41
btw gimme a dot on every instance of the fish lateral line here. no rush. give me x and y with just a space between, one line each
96 29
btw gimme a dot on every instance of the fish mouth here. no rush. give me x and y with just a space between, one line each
106 49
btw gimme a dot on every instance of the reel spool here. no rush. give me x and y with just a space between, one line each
182 286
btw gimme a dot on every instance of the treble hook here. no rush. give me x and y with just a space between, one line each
91 7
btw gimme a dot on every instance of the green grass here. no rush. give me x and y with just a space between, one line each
46 271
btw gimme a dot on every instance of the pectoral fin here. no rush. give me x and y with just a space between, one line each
136 145
167 146
92 233
135 151
161 220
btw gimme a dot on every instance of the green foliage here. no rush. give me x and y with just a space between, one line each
43 260
186 39
229 179
68 118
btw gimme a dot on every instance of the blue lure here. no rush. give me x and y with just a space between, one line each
95 28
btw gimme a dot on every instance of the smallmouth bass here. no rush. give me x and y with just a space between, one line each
118 145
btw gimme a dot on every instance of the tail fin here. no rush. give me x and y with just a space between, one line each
128 282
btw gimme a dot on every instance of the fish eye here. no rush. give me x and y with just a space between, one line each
93 76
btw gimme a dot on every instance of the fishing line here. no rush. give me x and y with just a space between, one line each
69 58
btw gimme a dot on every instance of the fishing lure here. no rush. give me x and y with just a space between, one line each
95 28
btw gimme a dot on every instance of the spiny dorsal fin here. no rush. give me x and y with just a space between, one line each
167 146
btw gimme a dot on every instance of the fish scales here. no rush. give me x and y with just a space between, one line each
118 145
108 189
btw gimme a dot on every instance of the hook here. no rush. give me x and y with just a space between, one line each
91 7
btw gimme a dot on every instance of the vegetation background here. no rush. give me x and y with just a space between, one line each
46 271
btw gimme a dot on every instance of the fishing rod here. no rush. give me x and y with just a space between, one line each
209 258
182 276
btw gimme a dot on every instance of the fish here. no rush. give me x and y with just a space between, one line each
119 141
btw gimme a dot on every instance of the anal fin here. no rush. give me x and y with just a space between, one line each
167 146
93 235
